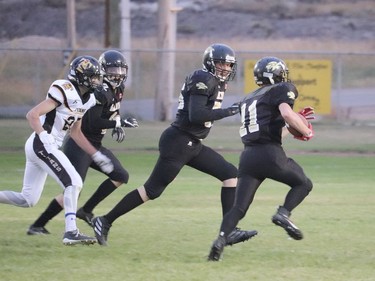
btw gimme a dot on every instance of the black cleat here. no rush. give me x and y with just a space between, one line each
238 235
217 249
37 230
75 237
281 218
85 216
101 229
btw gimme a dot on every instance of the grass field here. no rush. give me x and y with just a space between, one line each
169 239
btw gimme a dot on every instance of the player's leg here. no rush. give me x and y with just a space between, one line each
52 210
214 164
174 153
117 177
246 188
291 173
81 161
33 181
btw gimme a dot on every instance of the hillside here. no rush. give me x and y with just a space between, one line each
340 21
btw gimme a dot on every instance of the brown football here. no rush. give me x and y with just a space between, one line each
293 131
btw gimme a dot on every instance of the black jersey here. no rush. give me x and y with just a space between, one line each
261 119
200 104
101 116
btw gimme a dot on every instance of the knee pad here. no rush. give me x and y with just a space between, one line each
229 172
153 193
309 184
120 176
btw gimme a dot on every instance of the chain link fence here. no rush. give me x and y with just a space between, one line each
26 74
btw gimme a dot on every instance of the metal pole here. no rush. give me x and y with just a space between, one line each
125 36
71 24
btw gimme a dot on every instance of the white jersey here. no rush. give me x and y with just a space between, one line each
71 108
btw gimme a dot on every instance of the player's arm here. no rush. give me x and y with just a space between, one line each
94 115
80 139
293 119
200 113
99 158
42 108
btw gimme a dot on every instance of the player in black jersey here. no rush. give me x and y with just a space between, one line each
264 114
181 144
105 114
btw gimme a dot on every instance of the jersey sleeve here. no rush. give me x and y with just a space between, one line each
59 90
284 93
202 86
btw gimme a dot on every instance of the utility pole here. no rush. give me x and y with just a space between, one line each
125 36
70 50
166 43
71 20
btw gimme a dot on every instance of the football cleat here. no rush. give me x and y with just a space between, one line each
217 249
37 230
101 228
85 216
281 218
238 235
75 237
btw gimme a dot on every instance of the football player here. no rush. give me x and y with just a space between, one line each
61 111
181 144
95 123
264 114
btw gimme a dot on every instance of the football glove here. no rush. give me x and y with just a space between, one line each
306 138
234 109
308 113
118 134
129 123
103 162
46 138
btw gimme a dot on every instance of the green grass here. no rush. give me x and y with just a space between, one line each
169 238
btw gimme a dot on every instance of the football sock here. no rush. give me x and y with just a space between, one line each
106 188
50 212
227 198
131 201
71 194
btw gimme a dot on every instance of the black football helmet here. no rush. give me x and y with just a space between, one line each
115 67
85 71
220 53
270 70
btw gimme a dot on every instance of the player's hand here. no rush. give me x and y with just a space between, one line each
118 134
234 109
129 123
46 138
306 138
308 112
103 162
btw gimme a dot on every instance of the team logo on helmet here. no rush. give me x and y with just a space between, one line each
84 64
273 66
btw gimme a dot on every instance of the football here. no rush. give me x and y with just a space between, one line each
293 131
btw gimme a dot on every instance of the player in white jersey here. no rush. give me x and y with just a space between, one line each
60 113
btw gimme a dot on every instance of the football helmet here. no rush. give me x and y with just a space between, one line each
115 67
216 54
85 71
270 70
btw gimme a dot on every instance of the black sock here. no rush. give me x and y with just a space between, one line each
131 201
106 188
52 210
227 198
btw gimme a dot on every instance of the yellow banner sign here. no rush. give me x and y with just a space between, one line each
312 78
